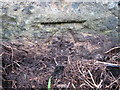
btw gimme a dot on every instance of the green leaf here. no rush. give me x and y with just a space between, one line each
49 83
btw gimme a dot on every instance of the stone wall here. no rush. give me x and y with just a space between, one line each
40 20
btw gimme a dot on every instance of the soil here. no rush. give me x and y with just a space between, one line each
26 64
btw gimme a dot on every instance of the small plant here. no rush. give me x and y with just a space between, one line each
49 83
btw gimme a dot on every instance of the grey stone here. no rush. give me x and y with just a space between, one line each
26 19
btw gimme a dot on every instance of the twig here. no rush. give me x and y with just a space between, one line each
88 84
82 84
67 86
1 53
86 81
56 62
12 58
107 64
93 79
115 49
112 83
69 60
73 86
100 84
17 63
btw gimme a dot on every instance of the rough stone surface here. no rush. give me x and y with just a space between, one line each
38 21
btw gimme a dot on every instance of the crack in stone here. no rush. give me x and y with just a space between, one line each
63 22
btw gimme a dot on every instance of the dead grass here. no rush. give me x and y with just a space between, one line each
25 66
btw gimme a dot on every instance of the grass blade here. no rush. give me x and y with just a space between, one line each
49 83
